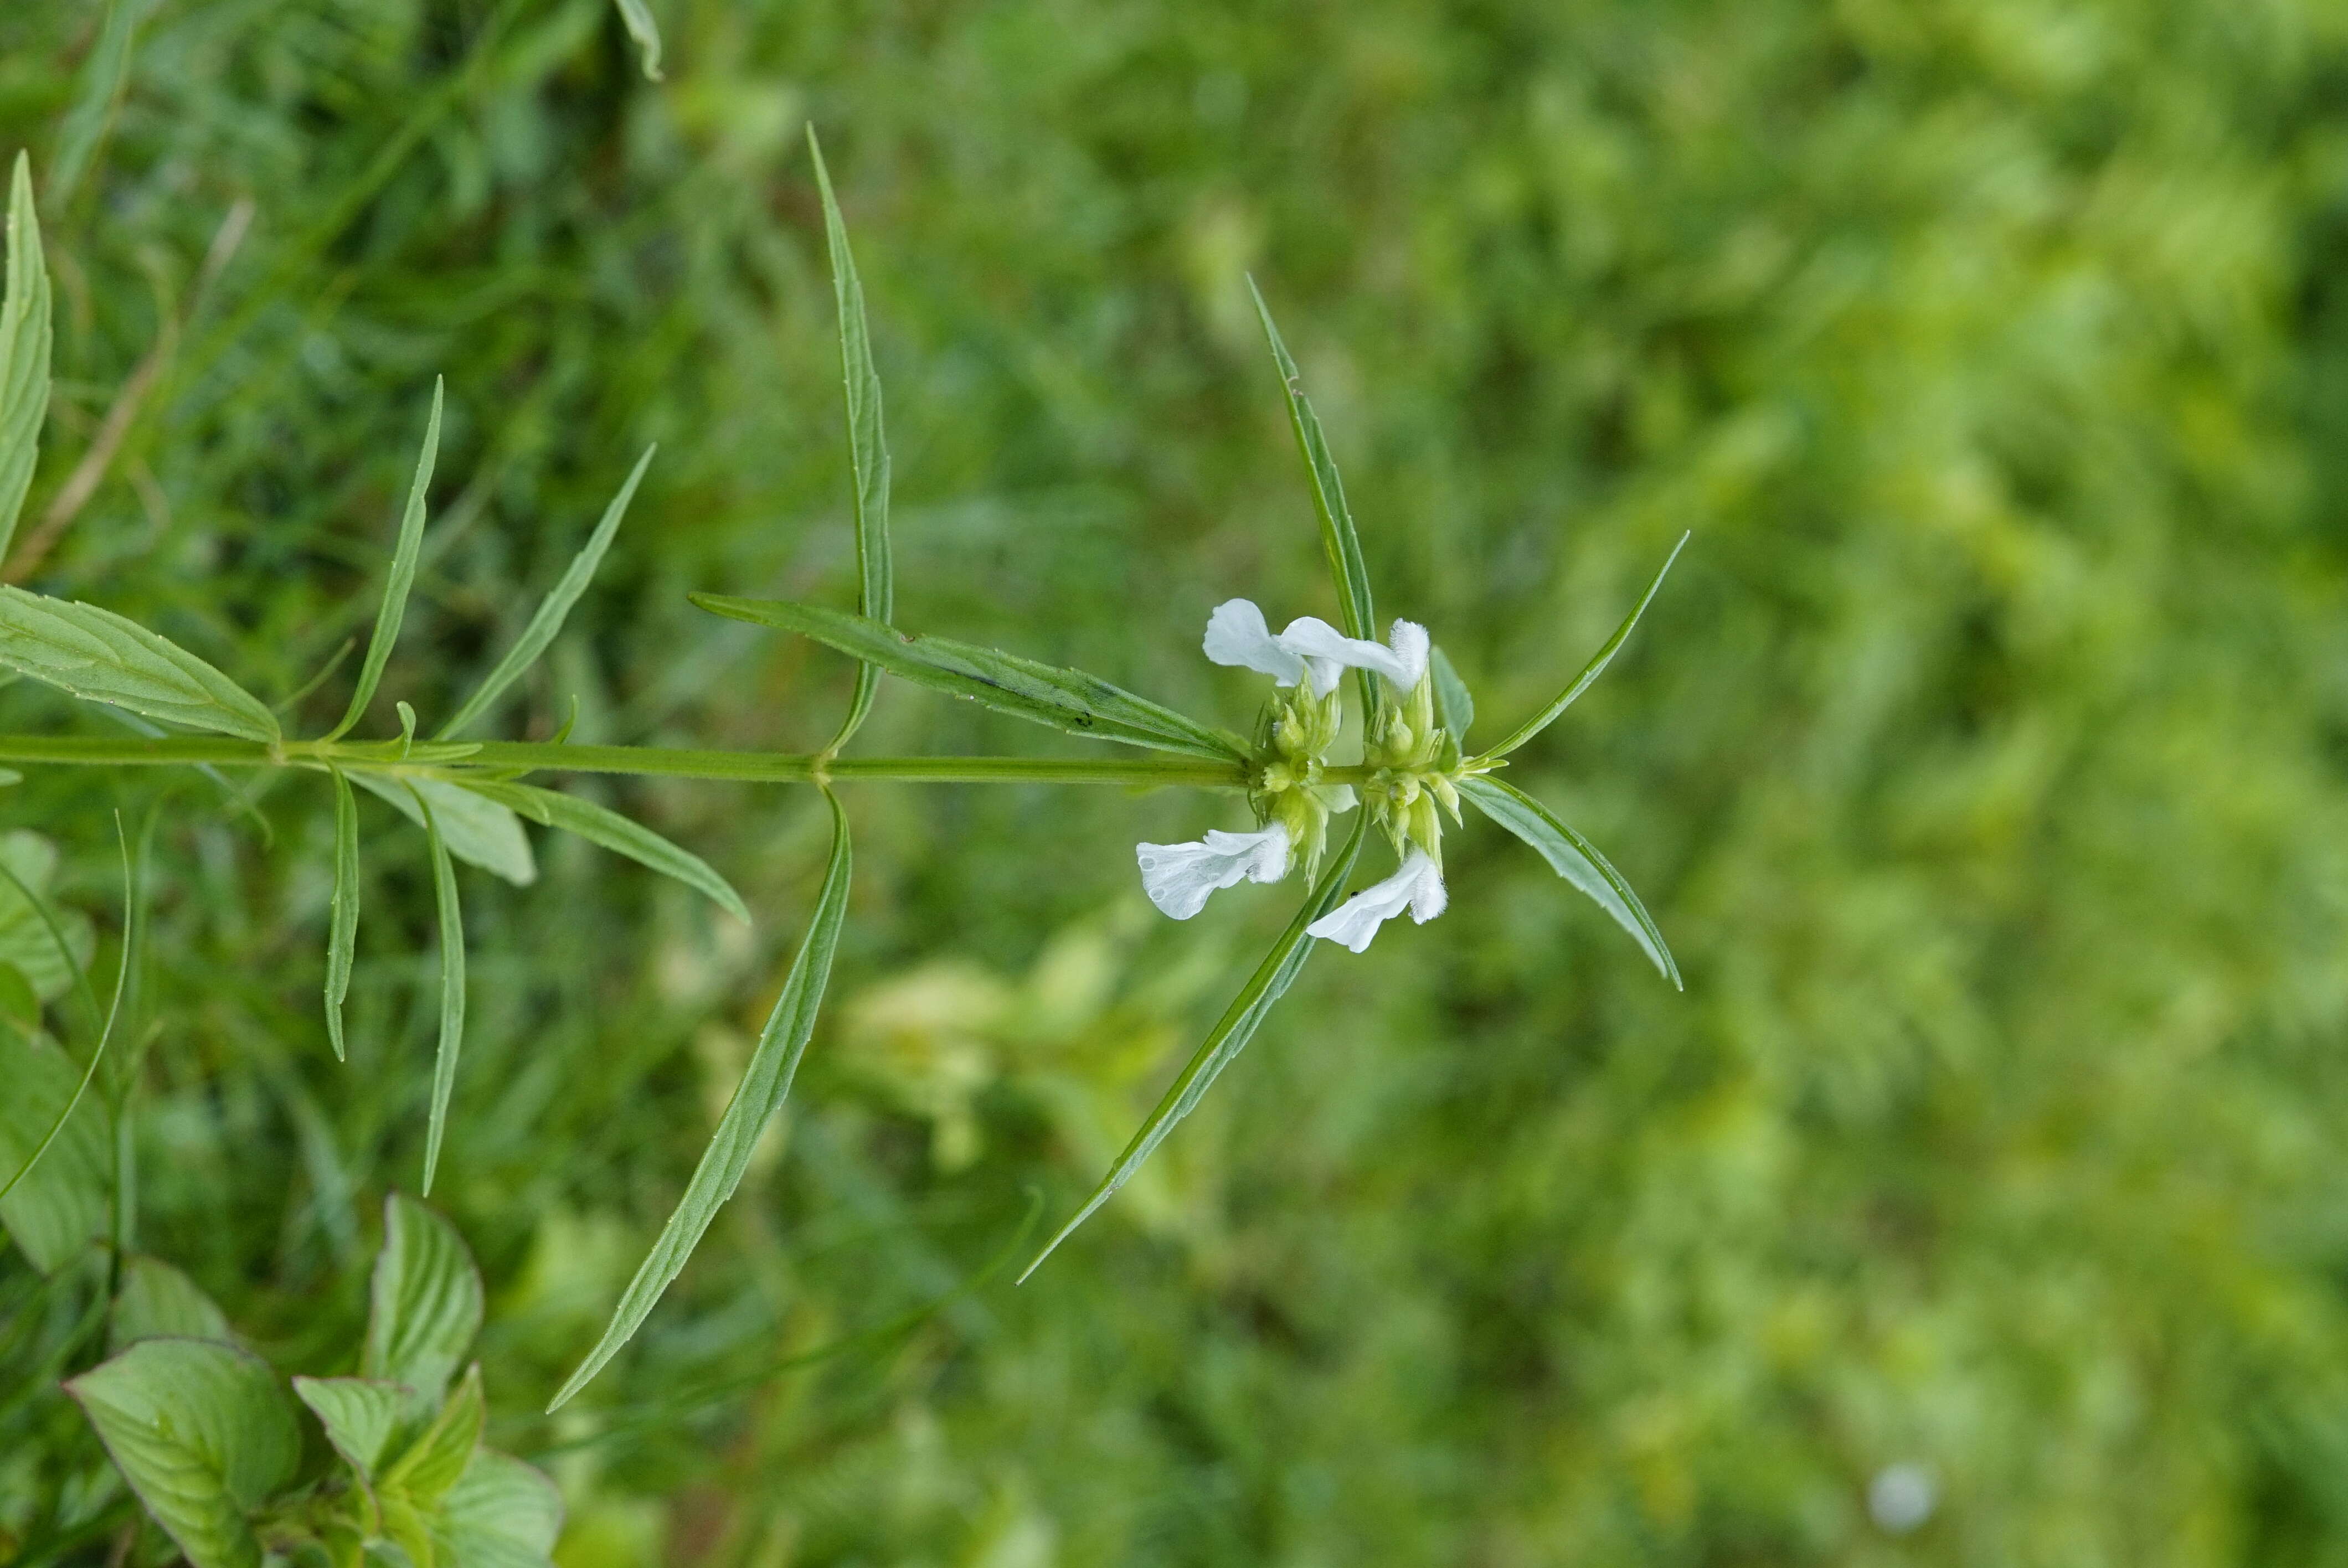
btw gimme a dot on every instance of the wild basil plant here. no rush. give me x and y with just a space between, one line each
1310 811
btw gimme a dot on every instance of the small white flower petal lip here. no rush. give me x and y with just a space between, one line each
1237 635
1327 651
1339 799
1418 886
1178 877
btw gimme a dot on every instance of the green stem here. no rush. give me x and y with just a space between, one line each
528 756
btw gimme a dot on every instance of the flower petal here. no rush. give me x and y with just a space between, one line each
1418 886
1178 877
1410 644
1326 651
1237 635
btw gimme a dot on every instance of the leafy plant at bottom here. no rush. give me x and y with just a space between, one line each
202 1430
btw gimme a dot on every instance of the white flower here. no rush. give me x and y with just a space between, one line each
1418 887
1178 877
1312 649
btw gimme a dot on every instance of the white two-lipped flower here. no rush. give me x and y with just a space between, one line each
1418 886
1178 877
1312 649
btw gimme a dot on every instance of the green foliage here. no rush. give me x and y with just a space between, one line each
101 657
765 1085
1227 1038
1577 860
1066 699
25 340
152 1300
405 552
53 1164
547 625
1557 704
201 1432
424 1302
1982 762
868 442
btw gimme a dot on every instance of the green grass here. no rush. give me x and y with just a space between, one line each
1981 760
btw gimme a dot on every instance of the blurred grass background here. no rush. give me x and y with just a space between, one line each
1982 760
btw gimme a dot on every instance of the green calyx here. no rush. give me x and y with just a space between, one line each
1415 766
1285 777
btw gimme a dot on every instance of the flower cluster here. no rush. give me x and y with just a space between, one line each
1409 763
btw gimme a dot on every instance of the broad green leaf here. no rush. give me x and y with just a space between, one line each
867 444
1339 542
502 1514
342 916
637 17
361 1416
620 834
403 575
1227 1038
1455 710
452 991
23 352
1594 668
548 623
48 946
477 830
98 655
156 1301
203 1436
425 1303
433 1462
62 1202
1576 859
764 1085
1066 699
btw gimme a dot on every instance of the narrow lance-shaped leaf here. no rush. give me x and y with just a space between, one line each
23 350
544 625
867 444
620 834
1227 1038
403 575
766 1083
343 911
1066 699
452 990
637 17
202 1434
1592 671
101 657
477 830
1339 542
1576 859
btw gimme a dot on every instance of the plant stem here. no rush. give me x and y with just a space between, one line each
525 756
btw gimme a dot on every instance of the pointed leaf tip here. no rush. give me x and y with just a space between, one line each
765 1085
1225 1041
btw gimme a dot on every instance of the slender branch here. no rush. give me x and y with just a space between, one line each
508 756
